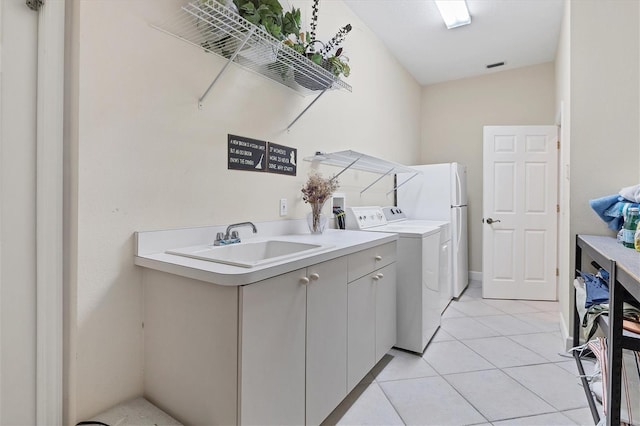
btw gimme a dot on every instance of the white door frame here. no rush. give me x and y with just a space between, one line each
48 332
49 213
1 198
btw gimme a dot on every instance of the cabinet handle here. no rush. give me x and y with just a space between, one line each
380 275
375 277
314 276
378 257
304 280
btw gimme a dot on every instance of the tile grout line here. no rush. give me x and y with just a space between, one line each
509 337
390 402
504 372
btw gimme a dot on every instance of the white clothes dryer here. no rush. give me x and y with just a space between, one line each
418 284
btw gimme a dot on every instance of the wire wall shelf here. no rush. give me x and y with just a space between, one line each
357 161
217 29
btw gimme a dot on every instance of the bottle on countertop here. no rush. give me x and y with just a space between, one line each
636 240
629 227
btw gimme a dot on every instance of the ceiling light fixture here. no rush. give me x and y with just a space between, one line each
454 12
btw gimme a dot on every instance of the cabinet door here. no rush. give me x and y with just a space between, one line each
272 351
361 343
385 310
326 338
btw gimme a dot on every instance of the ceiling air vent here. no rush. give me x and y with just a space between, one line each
497 64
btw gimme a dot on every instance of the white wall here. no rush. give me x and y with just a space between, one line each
454 113
18 36
147 158
605 105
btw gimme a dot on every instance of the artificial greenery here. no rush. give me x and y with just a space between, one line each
291 22
338 64
266 14
336 40
305 43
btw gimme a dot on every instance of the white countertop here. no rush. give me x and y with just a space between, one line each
341 242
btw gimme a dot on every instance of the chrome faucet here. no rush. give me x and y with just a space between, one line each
232 237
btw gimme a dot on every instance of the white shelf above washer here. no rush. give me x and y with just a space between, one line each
358 161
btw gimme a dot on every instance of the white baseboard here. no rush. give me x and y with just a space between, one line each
564 330
475 276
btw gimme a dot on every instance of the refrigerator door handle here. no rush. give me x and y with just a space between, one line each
459 225
458 188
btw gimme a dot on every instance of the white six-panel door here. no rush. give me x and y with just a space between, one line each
520 212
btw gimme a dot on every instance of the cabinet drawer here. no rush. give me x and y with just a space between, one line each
367 261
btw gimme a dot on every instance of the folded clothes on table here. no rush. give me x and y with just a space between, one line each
612 209
631 193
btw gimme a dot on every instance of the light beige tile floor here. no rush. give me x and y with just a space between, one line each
499 362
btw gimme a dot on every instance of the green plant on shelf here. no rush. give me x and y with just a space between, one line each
329 56
265 14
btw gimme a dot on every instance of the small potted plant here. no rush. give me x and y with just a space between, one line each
329 55
316 191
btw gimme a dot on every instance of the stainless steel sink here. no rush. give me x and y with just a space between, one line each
249 254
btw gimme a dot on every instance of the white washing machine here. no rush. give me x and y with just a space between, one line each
418 284
445 274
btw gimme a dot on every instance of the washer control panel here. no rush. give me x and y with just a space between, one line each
394 214
362 218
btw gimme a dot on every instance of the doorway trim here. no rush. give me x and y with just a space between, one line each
49 213
1 400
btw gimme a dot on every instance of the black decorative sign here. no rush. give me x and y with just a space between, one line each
282 160
246 154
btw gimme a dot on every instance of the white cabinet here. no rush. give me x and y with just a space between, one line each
326 338
372 321
294 344
285 350
385 310
371 310
272 350
362 333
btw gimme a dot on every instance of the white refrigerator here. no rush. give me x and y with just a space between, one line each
440 193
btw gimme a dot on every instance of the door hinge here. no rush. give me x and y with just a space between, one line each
557 272
558 208
558 144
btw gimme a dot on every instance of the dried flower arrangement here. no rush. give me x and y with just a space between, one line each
316 192
318 189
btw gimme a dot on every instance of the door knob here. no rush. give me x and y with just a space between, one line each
490 221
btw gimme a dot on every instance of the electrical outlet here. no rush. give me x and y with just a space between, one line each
283 207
